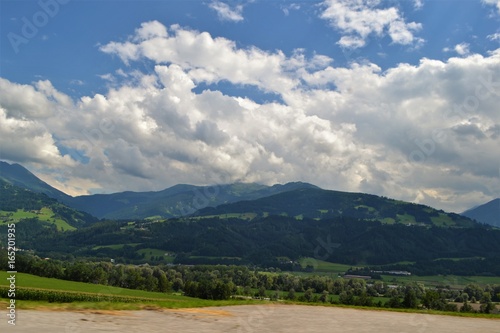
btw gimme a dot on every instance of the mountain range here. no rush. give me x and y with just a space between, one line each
178 200
241 224
296 199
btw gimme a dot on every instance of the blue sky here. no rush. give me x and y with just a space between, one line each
65 49
361 95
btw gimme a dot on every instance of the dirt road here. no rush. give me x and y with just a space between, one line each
245 319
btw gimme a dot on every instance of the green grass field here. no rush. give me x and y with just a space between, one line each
151 255
321 266
151 299
45 214
114 246
406 218
241 216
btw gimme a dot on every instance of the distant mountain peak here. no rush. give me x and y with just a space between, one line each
488 213
18 175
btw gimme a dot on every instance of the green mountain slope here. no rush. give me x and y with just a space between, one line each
179 200
18 175
17 204
299 200
264 241
317 203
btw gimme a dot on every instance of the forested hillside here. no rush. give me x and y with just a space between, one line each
317 203
17 204
264 241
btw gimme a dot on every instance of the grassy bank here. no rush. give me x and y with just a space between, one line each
112 296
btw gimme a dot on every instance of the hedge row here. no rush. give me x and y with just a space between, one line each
58 296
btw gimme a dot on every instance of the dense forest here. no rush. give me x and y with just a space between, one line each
265 241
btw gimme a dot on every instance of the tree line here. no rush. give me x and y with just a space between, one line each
222 282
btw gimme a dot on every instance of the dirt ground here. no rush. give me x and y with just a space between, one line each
244 319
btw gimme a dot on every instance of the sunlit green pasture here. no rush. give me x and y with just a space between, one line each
153 299
45 214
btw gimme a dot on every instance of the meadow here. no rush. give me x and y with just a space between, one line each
45 214
113 297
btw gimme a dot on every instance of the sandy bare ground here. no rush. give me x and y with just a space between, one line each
245 319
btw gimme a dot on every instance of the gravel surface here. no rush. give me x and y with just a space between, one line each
244 319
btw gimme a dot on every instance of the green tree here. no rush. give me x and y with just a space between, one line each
394 302
486 305
346 297
222 290
262 292
357 285
133 278
380 287
324 296
364 299
474 290
466 307
410 300
178 284
338 286
433 300
291 294
308 295
163 284
98 276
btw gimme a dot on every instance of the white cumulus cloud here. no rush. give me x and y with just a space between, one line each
359 20
495 36
462 49
225 12
493 3
427 132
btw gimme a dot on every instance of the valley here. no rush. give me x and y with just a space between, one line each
236 243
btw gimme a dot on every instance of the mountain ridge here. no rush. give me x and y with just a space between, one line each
316 203
175 201
18 175
267 223
296 199
19 204
488 213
